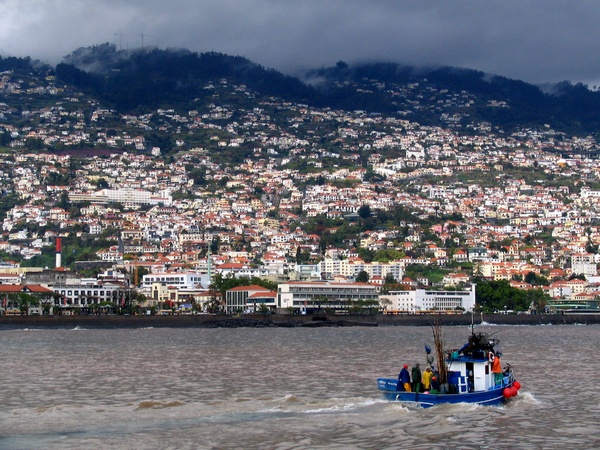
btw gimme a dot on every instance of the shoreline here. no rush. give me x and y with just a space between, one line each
282 321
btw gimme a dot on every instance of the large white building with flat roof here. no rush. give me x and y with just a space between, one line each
350 268
313 296
421 300
124 196
182 280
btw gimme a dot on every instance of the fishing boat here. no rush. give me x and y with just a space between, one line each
464 376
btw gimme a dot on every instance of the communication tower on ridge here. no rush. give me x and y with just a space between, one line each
144 35
120 35
121 39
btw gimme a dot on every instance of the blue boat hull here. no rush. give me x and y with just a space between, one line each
492 397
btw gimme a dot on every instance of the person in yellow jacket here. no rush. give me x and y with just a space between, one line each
426 379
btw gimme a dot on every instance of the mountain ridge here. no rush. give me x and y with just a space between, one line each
143 79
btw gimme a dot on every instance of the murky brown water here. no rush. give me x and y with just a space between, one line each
282 388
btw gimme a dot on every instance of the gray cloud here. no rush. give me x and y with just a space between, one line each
531 40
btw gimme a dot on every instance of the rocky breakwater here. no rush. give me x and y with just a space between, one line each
181 321
141 321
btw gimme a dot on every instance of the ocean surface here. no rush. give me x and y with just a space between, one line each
283 388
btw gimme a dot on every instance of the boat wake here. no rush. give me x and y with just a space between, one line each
526 398
293 404
343 405
458 408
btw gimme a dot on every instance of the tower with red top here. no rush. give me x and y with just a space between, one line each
58 254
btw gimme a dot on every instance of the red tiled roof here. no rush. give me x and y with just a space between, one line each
36 288
231 266
252 287
263 294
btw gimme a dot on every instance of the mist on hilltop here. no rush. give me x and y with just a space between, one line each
143 79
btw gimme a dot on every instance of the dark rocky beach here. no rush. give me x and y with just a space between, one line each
216 321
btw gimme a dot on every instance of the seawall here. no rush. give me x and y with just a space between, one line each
209 321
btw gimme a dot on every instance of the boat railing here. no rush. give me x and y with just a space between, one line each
507 378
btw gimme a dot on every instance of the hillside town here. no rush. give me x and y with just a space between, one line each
335 208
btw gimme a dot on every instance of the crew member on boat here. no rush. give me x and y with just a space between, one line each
426 379
496 367
435 381
435 385
416 378
404 379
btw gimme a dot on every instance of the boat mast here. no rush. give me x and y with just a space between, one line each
472 323
439 350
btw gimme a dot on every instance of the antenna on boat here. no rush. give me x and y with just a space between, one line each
472 322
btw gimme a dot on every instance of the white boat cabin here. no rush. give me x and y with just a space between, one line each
469 374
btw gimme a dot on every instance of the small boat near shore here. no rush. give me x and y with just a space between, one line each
465 376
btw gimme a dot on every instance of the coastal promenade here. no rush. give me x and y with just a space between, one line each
256 321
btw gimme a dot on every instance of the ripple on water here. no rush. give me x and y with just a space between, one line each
158 405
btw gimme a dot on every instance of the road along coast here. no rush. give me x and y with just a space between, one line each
274 320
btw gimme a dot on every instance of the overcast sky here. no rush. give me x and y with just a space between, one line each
536 41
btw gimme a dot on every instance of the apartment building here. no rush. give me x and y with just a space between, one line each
420 300
310 297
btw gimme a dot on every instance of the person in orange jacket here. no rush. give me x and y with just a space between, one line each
496 367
